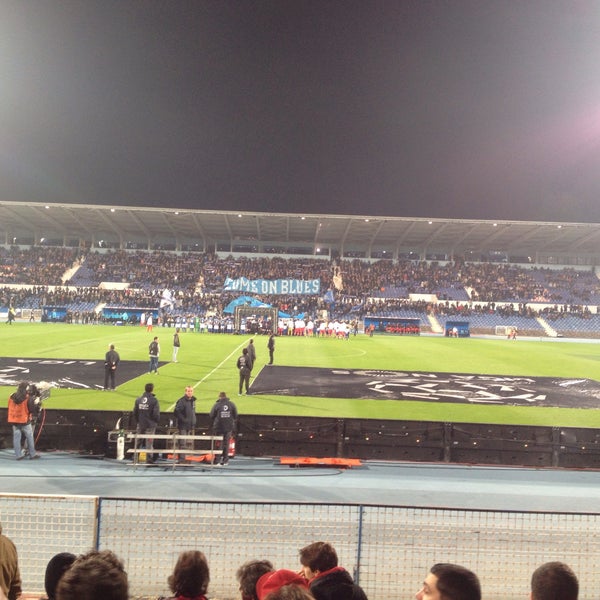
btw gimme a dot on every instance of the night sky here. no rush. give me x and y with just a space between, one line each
483 109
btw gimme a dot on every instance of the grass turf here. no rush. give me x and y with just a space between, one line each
208 362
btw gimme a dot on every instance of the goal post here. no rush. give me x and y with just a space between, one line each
504 330
255 319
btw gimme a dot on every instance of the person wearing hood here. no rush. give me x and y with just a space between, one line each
327 580
22 407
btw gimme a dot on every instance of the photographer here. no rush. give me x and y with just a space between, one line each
24 406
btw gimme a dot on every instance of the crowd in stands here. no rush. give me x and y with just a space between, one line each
36 265
349 288
101 575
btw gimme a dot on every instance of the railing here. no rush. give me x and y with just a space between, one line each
387 549
175 450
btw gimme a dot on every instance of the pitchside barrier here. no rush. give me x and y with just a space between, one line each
387 549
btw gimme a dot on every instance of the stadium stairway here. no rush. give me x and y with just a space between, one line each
550 332
436 326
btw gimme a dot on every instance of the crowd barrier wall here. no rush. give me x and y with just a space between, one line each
87 431
387 549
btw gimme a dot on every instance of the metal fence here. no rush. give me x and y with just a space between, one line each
387 549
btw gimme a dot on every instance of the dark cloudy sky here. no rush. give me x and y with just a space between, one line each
468 109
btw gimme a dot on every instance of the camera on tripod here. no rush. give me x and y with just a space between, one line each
39 392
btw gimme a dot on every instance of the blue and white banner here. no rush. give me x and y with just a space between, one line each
272 286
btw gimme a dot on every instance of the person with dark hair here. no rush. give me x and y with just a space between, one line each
146 412
244 365
176 344
271 347
190 576
223 416
554 581
10 576
446 581
97 575
55 569
290 592
154 353
22 408
327 580
273 581
252 351
249 573
111 362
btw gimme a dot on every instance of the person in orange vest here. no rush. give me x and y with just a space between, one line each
21 409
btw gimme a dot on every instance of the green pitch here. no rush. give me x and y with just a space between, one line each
207 362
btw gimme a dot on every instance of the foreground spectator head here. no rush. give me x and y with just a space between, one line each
249 573
446 581
10 576
290 592
97 575
317 558
273 581
190 575
55 569
554 581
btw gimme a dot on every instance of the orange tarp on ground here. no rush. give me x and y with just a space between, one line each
309 461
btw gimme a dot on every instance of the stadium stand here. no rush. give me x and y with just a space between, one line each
489 295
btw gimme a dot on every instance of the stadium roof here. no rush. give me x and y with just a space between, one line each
27 223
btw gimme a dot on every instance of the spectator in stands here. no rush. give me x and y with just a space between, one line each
446 581
327 580
111 362
554 581
223 416
55 569
273 581
244 366
249 573
97 575
154 353
146 412
190 576
10 576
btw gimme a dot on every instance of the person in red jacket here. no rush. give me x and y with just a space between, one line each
21 408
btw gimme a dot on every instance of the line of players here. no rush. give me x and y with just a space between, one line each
318 328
